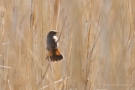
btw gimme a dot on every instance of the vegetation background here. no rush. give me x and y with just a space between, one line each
97 42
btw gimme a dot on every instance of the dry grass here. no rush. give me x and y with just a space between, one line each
97 41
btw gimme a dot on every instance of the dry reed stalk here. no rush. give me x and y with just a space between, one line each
77 50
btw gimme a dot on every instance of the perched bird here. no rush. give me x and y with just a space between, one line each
52 46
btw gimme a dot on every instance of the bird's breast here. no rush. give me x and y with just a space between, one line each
55 38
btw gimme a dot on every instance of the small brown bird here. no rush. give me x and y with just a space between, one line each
52 46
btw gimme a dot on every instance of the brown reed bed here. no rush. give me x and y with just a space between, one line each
96 40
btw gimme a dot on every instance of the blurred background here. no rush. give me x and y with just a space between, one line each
97 42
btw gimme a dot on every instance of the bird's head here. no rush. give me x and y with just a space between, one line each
52 32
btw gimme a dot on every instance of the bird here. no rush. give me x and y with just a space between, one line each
52 46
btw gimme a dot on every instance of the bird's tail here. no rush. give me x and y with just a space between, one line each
54 55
